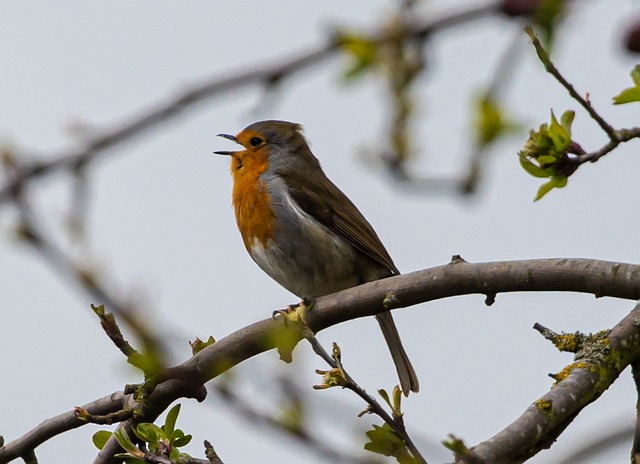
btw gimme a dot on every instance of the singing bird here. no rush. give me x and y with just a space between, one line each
301 229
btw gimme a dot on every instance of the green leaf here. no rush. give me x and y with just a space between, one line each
126 443
546 159
140 433
384 440
555 182
149 433
456 445
543 190
630 94
100 438
385 396
170 422
566 120
397 401
560 136
533 169
198 345
182 441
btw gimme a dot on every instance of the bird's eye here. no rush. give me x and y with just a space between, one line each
255 141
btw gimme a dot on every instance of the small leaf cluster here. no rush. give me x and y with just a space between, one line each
335 377
458 446
384 439
394 402
287 335
160 441
198 345
546 153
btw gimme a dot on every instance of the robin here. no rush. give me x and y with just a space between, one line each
301 229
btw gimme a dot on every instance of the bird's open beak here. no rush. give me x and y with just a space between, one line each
228 137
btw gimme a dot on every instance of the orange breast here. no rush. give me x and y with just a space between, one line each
251 202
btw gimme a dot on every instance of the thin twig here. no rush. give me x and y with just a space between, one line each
551 69
623 135
396 423
103 419
211 454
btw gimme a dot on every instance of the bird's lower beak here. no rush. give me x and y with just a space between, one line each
228 137
226 153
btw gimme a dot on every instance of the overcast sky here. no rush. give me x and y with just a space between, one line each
161 227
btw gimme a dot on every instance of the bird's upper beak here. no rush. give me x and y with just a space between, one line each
229 137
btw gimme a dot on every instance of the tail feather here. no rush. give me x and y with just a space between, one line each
406 373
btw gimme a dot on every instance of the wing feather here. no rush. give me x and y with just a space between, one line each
332 208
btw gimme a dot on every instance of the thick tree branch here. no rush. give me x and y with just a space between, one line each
596 367
600 278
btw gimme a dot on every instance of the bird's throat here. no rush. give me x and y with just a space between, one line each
252 205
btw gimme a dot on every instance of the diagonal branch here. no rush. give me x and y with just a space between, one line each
594 370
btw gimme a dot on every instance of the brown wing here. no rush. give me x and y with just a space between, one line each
326 202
